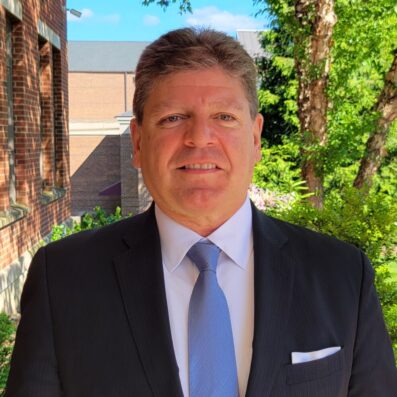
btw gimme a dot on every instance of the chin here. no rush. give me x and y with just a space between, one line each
203 198
198 208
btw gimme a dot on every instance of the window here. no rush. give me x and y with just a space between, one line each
51 122
10 114
10 208
47 154
59 133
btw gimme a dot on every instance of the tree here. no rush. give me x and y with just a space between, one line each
363 54
315 20
386 107
278 87
343 96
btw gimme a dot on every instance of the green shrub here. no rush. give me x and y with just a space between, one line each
278 171
7 335
390 313
90 220
99 218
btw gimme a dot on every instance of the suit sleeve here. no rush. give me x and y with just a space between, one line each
373 372
33 370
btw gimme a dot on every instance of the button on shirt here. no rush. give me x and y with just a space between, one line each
235 274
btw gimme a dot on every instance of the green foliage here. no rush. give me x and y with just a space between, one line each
184 5
97 218
390 313
363 42
278 88
279 169
7 335
385 180
364 39
367 220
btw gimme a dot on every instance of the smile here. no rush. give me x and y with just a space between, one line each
206 166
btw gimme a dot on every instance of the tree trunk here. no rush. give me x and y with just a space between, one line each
376 145
316 19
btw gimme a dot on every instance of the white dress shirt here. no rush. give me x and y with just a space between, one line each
235 272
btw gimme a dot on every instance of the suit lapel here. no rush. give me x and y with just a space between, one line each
141 280
273 290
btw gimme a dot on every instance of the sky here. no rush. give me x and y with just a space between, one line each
129 20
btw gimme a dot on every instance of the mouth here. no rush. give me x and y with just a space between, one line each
196 166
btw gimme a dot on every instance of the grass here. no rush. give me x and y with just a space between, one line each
7 336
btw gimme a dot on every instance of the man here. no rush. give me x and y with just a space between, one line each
202 295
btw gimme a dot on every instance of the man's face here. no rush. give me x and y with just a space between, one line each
197 146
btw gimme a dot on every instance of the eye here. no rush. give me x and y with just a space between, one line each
173 118
225 117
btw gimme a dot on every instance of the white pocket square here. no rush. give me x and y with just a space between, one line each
304 357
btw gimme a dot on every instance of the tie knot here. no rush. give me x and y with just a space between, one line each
205 255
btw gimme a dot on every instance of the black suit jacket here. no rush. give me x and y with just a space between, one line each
95 321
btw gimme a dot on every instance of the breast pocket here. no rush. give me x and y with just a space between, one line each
325 377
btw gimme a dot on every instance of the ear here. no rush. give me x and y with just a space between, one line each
136 131
257 131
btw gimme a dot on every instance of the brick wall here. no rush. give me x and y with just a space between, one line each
31 146
4 199
99 96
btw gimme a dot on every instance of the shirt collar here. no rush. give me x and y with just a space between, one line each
176 240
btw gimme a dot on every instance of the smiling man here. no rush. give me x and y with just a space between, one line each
202 295
197 144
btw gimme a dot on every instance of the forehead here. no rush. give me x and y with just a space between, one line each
203 86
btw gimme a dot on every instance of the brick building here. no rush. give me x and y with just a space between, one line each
101 88
34 157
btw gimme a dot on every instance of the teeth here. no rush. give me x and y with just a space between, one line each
207 166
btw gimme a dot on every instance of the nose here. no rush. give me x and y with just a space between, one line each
199 133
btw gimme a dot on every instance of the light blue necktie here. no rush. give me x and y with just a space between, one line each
212 362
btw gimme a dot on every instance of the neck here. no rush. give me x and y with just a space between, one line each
203 225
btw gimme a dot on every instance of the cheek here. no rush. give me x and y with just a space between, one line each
249 155
156 154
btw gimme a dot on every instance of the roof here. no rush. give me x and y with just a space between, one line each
250 40
104 56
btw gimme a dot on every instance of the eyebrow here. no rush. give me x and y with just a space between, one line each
231 104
